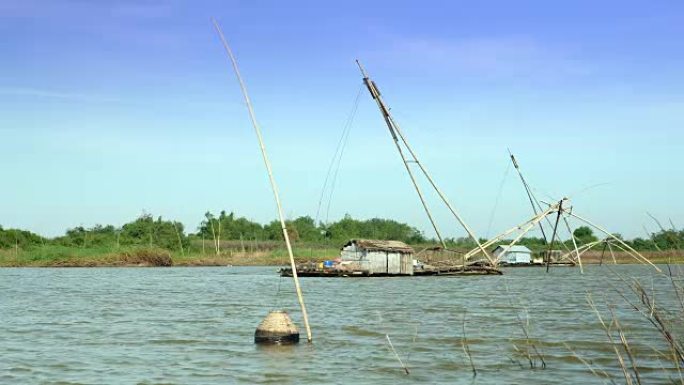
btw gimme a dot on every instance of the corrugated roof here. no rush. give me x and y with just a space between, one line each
515 249
374 244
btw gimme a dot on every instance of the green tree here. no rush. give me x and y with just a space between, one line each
150 232
584 235
306 229
19 238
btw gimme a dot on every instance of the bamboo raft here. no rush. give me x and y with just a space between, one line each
314 270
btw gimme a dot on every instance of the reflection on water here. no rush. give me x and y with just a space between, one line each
196 326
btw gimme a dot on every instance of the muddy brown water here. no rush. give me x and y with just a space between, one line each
196 326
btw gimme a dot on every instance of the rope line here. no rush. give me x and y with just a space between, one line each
349 124
496 202
338 149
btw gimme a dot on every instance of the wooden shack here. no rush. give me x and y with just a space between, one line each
376 257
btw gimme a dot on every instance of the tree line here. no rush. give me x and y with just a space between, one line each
215 229
146 230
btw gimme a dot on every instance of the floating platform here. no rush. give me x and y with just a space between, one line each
532 264
310 270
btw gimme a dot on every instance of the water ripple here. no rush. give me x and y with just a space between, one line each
196 325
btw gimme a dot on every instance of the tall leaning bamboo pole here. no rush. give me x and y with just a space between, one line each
392 129
530 196
396 131
274 187
453 211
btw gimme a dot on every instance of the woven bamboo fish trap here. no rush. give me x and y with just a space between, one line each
277 328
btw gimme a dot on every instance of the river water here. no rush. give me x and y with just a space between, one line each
196 326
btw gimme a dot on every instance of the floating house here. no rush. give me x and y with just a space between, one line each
513 255
375 257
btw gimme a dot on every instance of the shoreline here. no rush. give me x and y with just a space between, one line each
230 262
151 257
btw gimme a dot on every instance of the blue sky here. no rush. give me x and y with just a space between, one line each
111 108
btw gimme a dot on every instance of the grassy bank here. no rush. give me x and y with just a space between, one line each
63 256
657 257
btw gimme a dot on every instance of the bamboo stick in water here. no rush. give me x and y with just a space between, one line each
271 179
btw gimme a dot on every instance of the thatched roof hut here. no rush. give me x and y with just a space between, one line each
378 257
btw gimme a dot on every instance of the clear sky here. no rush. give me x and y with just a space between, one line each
109 108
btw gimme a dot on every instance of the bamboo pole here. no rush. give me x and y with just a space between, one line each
516 239
497 238
603 252
271 179
392 129
530 196
396 131
525 230
574 243
403 366
553 236
456 215
533 200
633 253
624 250
583 249
610 248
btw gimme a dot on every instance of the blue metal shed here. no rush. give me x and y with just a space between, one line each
513 255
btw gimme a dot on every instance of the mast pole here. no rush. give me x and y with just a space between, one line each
392 129
553 236
271 179
396 131
530 196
